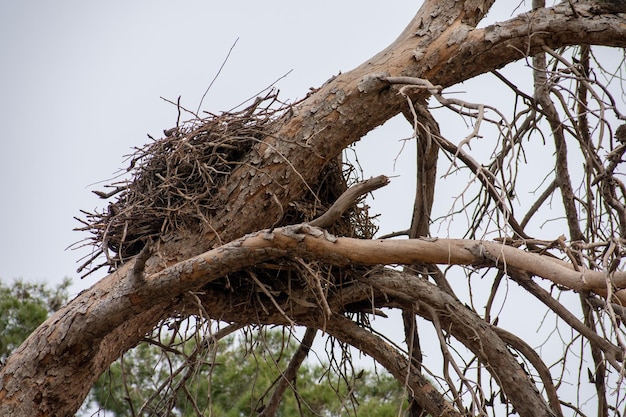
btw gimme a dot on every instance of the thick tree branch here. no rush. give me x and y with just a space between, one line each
440 45
398 365
309 242
535 360
472 331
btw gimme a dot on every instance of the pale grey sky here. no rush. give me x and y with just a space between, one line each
81 83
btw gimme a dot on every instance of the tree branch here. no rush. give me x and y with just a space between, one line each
421 389
285 380
612 352
348 199
535 360
472 331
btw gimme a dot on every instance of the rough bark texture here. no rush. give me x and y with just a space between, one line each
52 372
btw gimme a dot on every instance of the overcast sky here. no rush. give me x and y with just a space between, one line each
82 82
81 85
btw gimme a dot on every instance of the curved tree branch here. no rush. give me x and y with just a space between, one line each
544 373
398 365
472 331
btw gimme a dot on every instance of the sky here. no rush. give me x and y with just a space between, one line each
82 84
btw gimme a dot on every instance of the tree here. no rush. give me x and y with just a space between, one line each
184 236
140 378
143 380
23 307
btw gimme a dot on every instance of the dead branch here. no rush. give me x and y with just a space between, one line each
348 199
613 353
470 330
310 242
420 388
288 376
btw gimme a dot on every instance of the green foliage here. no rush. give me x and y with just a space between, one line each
23 307
234 378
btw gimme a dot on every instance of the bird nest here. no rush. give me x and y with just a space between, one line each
175 183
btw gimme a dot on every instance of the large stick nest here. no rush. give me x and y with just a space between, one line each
174 183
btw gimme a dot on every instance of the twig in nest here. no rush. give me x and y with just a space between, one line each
315 282
271 297
217 74
110 194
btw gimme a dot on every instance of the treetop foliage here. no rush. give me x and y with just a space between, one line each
23 307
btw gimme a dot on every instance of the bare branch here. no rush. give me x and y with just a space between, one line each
288 376
421 389
472 331
348 199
